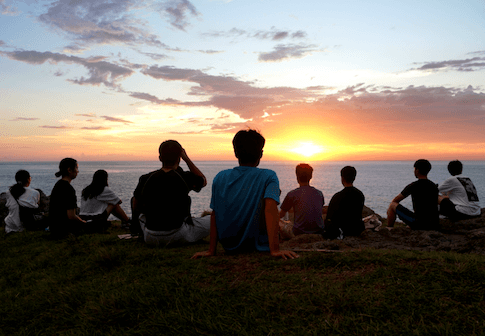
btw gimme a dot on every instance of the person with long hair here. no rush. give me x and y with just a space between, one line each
21 198
63 202
98 201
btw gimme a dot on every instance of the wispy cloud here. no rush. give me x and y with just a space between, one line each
155 56
98 128
8 10
25 119
210 52
283 52
54 127
273 34
177 12
89 115
100 72
470 64
113 119
92 22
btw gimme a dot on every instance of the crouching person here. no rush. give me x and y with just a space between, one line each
161 200
245 203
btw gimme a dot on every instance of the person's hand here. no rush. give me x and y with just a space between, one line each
285 254
183 155
202 254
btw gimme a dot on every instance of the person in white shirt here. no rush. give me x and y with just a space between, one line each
98 201
459 198
21 197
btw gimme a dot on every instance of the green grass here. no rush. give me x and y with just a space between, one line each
99 285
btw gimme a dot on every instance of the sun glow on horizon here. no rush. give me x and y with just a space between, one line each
307 149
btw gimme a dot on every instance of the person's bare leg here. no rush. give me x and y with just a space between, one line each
391 214
118 212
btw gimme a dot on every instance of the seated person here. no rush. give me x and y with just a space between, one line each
244 202
22 203
161 201
344 213
98 201
63 219
424 194
307 203
459 198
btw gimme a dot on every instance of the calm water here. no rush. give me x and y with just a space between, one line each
380 181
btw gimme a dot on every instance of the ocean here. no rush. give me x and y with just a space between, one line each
380 181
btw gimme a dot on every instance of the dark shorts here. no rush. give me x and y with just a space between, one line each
96 223
406 215
448 209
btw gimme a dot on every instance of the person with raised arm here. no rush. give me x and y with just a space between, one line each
424 194
245 203
161 201
63 219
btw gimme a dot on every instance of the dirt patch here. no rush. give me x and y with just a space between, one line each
467 236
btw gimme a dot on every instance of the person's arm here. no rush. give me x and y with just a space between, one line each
192 167
398 198
71 214
282 213
272 226
213 241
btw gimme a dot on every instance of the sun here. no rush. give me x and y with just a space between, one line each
307 149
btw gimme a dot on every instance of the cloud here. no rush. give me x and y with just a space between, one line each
471 64
177 11
224 92
113 119
24 119
89 115
100 72
273 34
55 127
98 128
155 56
92 22
481 52
210 52
8 10
289 51
2 43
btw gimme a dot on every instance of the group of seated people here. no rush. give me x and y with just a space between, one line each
244 203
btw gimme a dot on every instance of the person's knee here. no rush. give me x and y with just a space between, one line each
392 208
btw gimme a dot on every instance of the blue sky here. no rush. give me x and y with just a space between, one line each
359 80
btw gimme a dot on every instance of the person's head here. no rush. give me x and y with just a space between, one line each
422 166
248 146
348 174
68 168
455 167
100 181
22 177
170 152
304 173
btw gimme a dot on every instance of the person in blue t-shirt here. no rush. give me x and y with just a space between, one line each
307 203
245 203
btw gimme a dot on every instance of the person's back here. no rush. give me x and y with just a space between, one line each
237 200
345 208
462 195
424 195
307 203
244 202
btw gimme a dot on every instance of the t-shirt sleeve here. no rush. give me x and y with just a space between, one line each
273 188
108 196
447 185
139 187
408 190
195 182
287 203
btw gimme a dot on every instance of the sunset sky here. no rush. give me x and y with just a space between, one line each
322 80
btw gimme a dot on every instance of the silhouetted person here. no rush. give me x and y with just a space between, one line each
344 213
161 200
307 203
424 195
